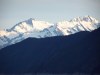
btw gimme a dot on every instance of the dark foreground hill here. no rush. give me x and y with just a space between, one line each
77 53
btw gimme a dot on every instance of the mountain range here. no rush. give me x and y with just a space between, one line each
41 29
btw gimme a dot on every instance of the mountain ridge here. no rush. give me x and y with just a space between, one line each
41 29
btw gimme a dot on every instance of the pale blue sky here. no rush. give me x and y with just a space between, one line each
14 11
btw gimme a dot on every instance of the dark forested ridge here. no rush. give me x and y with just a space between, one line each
79 52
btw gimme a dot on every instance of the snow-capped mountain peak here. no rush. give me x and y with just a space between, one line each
42 29
85 18
31 25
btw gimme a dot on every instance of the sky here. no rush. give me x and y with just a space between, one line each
15 11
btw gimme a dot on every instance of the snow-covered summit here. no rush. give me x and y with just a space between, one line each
42 29
85 18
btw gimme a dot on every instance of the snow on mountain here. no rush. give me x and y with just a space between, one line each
86 23
42 29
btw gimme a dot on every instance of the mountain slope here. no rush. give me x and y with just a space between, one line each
76 53
42 29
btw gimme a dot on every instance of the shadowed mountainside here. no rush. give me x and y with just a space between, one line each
79 52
